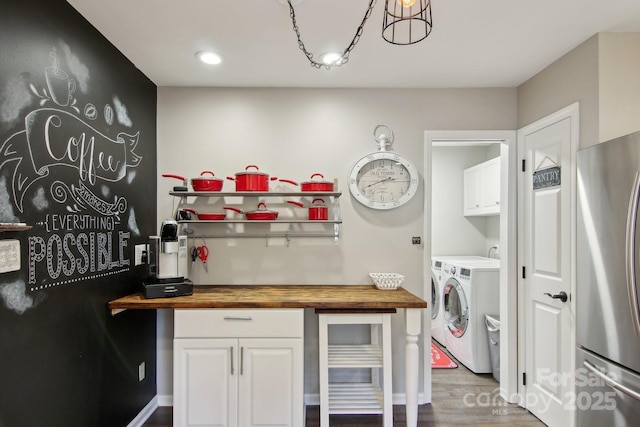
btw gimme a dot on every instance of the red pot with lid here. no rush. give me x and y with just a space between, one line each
320 186
252 180
215 216
201 183
260 214
206 183
318 211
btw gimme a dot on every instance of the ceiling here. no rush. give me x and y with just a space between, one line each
474 43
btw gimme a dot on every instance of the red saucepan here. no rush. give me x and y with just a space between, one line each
207 216
253 180
201 183
318 186
317 210
261 214
205 183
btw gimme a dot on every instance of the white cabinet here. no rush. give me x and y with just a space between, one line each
471 182
205 385
238 367
481 188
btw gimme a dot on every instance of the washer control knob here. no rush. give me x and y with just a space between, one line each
453 269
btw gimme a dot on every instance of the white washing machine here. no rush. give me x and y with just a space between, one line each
439 275
437 320
471 290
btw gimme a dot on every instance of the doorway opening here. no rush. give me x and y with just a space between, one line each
448 231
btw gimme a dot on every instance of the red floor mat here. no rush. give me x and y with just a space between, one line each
439 360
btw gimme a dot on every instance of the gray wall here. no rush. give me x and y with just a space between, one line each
619 90
293 133
573 77
603 75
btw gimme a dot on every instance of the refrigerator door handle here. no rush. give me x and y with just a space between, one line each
630 259
611 382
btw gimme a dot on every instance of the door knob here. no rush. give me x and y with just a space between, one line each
562 296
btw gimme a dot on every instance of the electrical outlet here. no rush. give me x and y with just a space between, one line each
9 255
141 371
416 240
140 250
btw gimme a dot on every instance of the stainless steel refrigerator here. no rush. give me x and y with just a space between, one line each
608 263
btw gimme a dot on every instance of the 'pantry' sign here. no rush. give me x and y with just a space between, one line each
545 178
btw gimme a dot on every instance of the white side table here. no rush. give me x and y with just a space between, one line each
374 397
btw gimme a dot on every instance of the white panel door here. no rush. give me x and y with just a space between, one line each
271 382
547 260
205 383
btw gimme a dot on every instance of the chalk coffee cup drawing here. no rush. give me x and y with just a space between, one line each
61 87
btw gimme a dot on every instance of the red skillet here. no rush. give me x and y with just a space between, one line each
207 216
261 214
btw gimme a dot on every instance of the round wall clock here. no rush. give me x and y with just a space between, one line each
383 179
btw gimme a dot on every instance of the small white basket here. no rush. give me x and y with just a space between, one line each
387 280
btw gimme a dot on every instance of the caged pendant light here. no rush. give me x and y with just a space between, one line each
406 21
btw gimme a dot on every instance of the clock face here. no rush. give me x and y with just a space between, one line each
383 180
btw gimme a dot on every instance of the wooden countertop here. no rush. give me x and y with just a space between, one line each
331 297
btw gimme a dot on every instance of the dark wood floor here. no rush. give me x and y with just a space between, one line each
459 398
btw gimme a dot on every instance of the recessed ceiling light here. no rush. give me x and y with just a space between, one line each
210 58
330 58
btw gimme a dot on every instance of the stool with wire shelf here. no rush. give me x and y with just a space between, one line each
356 398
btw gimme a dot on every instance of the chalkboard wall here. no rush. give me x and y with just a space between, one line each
78 163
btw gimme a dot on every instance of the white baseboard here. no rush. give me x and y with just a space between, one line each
146 412
309 399
165 400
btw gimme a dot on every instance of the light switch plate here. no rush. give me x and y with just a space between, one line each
9 255
139 251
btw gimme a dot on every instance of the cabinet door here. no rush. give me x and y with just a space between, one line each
271 382
490 200
205 384
471 179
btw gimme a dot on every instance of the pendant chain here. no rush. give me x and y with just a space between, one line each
345 55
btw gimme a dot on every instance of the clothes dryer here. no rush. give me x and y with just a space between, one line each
440 266
471 290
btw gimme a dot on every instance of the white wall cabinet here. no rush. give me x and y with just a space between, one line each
238 368
481 188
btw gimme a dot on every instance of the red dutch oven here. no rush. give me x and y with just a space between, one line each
253 180
207 216
200 183
317 210
261 214
317 186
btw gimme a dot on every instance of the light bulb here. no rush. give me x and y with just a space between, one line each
210 58
406 3
331 58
